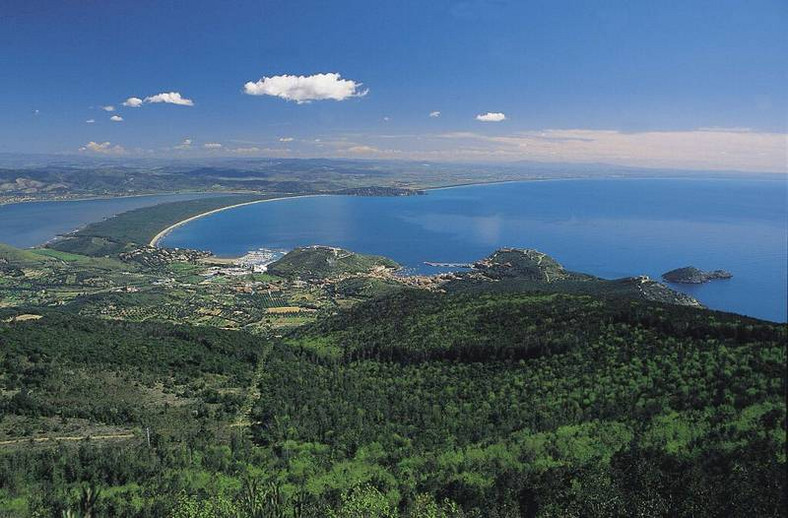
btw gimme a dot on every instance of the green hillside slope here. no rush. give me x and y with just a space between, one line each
535 405
321 262
501 399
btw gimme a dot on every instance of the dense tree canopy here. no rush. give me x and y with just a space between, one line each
416 404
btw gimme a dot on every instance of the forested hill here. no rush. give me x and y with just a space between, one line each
517 270
535 405
462 404
321 262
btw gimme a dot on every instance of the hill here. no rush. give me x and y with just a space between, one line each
535 405
322 262
18 257
526 264
518 389
513 270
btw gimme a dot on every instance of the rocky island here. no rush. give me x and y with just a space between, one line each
692 275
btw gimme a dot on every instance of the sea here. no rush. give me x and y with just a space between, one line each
611 228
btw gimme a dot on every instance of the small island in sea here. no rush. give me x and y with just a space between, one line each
692 275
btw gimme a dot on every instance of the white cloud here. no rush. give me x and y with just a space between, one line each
90 121
108 108
707 149
362 150
265 151
386 119
304 89
169 98
491 117
212 145
435 114
133 102
186 144
704 150
246 150
286 139
726 130
103 148
116 118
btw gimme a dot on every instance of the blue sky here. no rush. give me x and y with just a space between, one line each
668 84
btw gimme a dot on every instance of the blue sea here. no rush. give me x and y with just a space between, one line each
33 223
607 227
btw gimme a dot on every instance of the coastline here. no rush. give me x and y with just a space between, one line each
161 235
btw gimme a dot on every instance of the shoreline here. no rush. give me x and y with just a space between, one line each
162 234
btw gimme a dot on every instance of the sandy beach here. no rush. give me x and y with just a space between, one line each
158 237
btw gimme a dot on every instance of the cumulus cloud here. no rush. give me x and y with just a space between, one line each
212 145
304 89
90 121
491 117
103 148
286 139
169 98
186 144
435 114
116 118
108 108
133 102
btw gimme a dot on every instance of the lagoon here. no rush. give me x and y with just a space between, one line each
607 227
30 224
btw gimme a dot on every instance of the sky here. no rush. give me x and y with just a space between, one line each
671 84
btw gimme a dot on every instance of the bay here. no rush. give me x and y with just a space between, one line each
607 227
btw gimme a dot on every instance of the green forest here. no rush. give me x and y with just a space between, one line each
413 404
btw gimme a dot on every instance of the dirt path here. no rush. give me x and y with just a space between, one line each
244 414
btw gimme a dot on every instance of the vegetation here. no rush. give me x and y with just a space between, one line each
514 270
692 275
28 178
135 228
321 262
534 405
517 389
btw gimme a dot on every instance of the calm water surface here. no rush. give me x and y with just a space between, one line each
610 228
29 224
